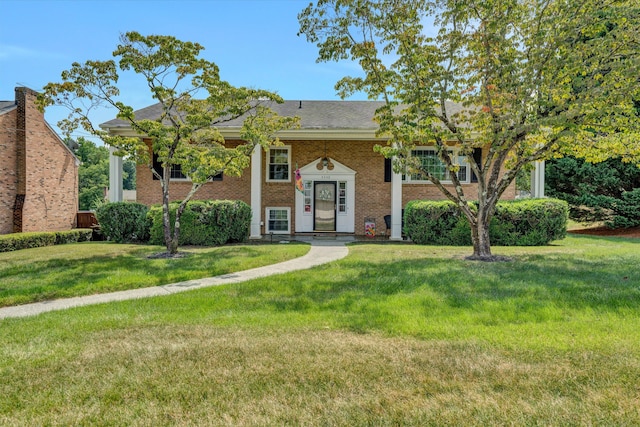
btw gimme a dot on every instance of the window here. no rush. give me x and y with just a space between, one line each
278 164
307 197
175 174
278 220
342 197
431 162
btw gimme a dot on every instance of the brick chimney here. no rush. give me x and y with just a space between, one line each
22 93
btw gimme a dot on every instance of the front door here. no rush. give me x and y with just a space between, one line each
324 218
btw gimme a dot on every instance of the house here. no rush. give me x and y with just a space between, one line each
347 187
39 179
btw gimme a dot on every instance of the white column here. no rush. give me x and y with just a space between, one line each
396 205
256 193
115 176
537 180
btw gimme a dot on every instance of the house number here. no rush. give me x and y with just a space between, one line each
325 177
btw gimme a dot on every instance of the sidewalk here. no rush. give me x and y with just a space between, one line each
321 252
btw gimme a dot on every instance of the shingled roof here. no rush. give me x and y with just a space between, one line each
6 106
314 115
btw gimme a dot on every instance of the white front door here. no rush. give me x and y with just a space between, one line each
328 200
324 200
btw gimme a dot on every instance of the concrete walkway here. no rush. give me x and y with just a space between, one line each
321 252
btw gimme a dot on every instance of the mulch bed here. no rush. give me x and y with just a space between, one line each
607 232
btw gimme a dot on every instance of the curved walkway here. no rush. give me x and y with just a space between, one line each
321 252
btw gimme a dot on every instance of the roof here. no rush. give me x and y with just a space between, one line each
354 118
6 106
313 114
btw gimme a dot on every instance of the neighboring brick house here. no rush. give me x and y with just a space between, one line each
39 177
345 182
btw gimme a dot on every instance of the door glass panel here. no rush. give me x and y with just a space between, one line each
325 206
342 197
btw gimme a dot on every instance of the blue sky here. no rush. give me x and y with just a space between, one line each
254 42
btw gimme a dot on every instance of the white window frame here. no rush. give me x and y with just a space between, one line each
342 197
268 163
267 220
173 168
184 178
308 195
187 179
457 159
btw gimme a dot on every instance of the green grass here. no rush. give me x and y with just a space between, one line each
391 335
88 268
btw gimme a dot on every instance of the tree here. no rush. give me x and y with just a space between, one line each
128 174
535 79
93 173
185 135
608 191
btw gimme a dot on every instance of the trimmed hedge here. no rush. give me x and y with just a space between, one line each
204 222
527 222
73 236
123 221
17 241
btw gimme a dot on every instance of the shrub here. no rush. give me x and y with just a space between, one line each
123 221
596 192
528 222
626 210
73 236
436 223
17 241
205 223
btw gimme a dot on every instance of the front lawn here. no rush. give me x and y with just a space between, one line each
390 335
62 271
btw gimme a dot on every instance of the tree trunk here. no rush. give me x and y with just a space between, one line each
176 236
480 231
166 222
176 226
480 238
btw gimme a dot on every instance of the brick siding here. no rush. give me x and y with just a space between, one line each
39 167
9 175
372 193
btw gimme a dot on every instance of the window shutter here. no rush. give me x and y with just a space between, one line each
477 157
387 170
157 166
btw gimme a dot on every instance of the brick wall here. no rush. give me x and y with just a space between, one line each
8 174
372 194
372 198
47 171
149 192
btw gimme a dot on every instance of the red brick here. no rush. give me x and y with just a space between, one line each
36 164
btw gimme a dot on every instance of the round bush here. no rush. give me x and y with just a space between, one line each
123 221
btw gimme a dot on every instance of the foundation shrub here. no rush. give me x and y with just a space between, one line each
123 221
205 222
529 222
